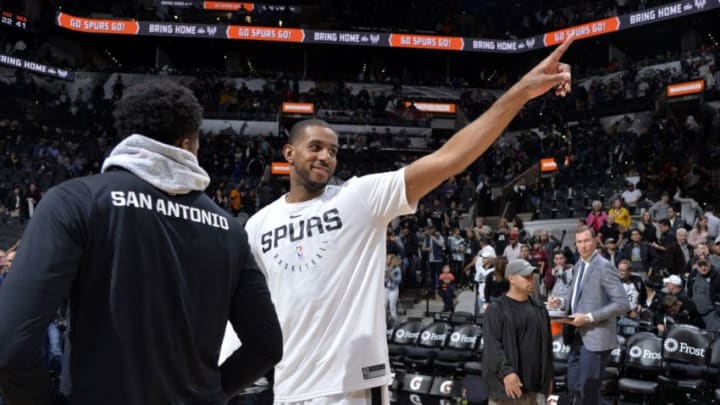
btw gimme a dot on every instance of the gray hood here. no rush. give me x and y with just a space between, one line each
168 168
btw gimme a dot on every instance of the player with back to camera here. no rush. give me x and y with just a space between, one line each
152 269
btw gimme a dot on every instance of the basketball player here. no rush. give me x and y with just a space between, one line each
322 248
153 270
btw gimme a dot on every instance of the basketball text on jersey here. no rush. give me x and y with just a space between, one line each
299 230
168 208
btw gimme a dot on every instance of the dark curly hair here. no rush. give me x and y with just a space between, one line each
159 109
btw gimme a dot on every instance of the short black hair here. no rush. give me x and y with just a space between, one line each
299 128
159 109
665 222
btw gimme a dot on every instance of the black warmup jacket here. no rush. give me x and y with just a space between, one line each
500 360
152 280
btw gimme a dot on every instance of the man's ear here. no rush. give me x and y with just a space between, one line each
183 143
289 152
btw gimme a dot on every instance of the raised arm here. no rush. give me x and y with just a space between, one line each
471 142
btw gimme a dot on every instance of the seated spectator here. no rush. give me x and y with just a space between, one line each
597 217
703 288
658 210
647 228
679 254
639 253
620 214
653 298
610 251
675 221
674 287
715 254
609 230
634 287
699 234
713 221
631 196
677 311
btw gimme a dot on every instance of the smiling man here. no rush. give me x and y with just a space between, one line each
322 248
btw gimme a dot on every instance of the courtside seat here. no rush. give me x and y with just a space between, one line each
432 339
642 365
405 335
685 356
460 348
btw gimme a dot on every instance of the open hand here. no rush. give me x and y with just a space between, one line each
513 386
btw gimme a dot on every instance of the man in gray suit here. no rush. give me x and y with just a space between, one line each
595 300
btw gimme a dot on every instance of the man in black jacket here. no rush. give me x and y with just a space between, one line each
152 270
641 255
703 288
517 361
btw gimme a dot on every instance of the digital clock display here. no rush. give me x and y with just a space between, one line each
13 20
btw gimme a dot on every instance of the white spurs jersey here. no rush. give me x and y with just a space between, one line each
324 260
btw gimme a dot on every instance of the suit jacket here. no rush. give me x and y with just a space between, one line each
675 259
602 295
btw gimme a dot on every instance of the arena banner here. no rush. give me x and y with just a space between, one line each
97 25
298 108
273 34
683 89
227 6
587 30
432 107
182 30
548 165
438 42
206 5
377 39
280 168
35 67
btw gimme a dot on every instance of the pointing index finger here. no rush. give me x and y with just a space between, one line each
560 50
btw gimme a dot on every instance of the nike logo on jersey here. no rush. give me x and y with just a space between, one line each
295 216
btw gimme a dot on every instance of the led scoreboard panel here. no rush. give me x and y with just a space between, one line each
13 19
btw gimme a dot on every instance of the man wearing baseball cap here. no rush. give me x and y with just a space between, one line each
703 288
516 326
674 286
